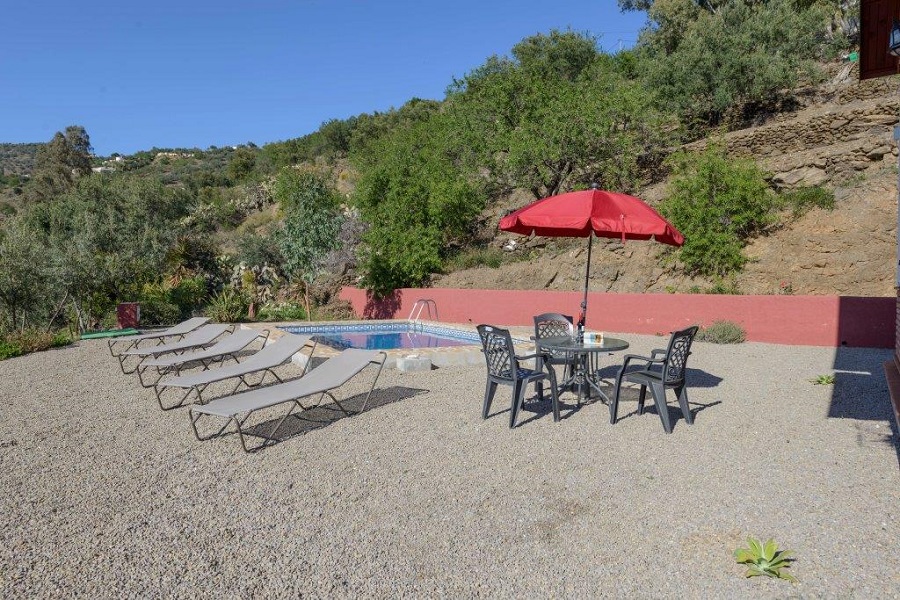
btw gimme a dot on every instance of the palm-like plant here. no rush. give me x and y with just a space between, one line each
765 559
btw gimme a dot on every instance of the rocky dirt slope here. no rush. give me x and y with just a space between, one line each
841 136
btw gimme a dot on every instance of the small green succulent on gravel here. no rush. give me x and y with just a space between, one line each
765 560
823 380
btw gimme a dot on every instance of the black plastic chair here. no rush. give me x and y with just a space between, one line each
662 370
553 325
503 368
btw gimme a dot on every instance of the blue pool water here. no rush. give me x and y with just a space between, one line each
386 336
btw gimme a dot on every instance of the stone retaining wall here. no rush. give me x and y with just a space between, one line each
824 143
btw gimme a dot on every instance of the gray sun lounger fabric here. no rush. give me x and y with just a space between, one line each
201 337
328 376
179 330
277 353
226 347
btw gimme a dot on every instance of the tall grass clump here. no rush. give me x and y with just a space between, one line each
801 201
476 257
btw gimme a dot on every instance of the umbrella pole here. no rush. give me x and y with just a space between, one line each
587 276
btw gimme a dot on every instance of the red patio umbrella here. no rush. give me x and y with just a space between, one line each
579 214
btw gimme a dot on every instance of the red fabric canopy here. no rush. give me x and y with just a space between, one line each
607 214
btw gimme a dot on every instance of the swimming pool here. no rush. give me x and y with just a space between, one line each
386 336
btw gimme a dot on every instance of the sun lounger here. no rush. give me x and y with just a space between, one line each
277 353
179 331
226 347
331 374
203 336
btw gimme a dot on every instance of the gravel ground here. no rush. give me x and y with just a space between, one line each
102 494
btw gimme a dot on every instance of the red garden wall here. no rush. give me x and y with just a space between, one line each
804 320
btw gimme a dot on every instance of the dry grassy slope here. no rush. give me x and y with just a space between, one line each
838 139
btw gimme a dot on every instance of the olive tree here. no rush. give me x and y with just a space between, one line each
556 114
25 275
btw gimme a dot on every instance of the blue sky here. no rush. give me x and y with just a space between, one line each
197 73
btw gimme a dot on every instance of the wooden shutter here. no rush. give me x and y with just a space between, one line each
876 19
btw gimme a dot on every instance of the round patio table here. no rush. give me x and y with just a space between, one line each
585 361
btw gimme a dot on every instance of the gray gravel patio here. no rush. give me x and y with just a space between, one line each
102 494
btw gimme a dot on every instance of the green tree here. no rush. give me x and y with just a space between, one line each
557 55
557 114
25 275
59 164
718 204
416 201
336 134
109 236
312 221
370 130
242 164
80 150
725 60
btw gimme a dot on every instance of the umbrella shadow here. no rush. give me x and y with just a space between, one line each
539 408
696 378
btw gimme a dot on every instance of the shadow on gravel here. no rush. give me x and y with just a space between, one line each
326 414
860 392
696 378
568 404
629 397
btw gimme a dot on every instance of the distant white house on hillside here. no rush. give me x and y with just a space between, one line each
174 155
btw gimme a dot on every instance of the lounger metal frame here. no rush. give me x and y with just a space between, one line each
242 379
159 336
294 403
206 362
149 352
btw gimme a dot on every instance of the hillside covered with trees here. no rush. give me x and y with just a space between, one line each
392 199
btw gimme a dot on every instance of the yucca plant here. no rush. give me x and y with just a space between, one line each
765 560
228 306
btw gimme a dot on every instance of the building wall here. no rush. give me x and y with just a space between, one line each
804 320
897 331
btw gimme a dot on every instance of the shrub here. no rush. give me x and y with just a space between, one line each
287 311
60 339
228 306
712 59
254 249
718 203
722 332
188 294
10 350
169 302
416 201
157 311
31 340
